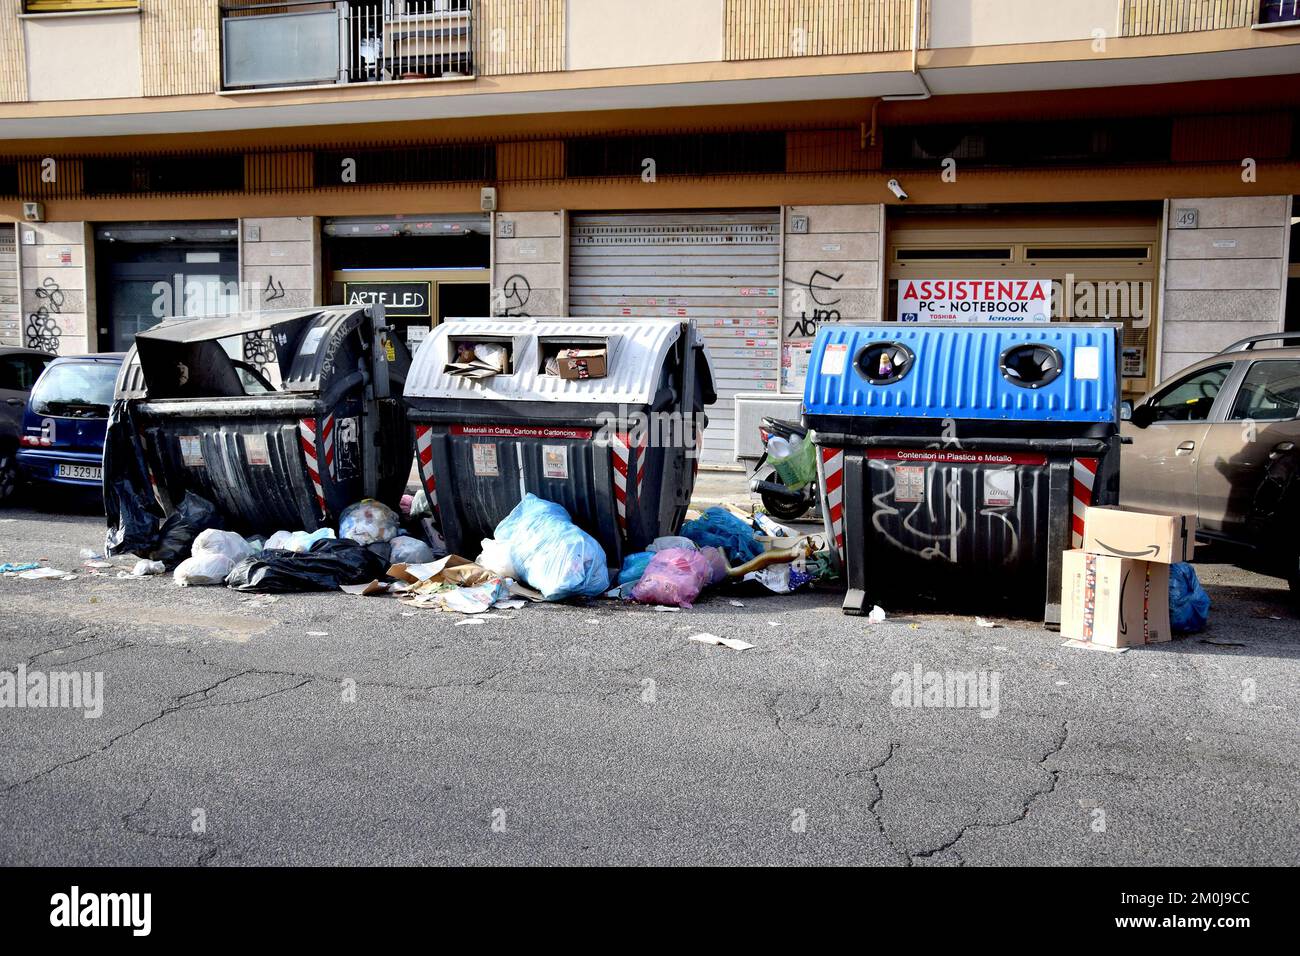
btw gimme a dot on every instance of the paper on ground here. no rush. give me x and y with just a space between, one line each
732 642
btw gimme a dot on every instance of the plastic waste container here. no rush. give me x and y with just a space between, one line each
288 441
603 416
956 460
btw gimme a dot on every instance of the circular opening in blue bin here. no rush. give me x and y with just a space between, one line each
1031 365
883 363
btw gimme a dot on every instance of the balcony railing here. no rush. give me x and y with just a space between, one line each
306 42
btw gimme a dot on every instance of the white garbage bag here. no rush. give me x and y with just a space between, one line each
203 569
369 522
496 558
224 543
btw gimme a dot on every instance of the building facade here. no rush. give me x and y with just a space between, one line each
729 161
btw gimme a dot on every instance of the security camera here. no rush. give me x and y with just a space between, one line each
896 189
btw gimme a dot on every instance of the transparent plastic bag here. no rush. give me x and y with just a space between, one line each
798 466
203 570
368 521
551 553
674 577
495 556
407 550
634 566
220 544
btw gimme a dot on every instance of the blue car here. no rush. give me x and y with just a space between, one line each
62 439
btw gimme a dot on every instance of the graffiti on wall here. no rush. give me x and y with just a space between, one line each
515 293
813 300
43 330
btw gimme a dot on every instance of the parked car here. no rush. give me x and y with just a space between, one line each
62 440
1222 440
19 369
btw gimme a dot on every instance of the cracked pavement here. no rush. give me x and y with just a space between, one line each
601 735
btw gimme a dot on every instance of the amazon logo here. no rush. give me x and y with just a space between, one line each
1151 551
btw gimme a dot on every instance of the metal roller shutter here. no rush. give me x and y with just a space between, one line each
719 268
11 331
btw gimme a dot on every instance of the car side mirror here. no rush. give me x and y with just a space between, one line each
1126 411
1143 415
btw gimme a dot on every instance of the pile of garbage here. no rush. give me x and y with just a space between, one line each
536 553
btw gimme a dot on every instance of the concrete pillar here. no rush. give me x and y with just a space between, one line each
57 261
529 267
279 263
1223 280
832 274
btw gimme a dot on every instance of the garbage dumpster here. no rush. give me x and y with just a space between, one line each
287 442
603 416
955 460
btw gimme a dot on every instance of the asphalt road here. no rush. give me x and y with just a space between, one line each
563 735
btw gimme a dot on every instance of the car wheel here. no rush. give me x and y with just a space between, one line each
8 475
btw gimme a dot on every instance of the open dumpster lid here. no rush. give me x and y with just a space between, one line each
635 352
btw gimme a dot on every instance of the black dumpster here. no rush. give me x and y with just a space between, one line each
603 416
281 418
955 461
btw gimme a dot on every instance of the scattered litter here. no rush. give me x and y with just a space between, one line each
510 604
9 568
877 614
665 609
408 614
1062 683
45 574
318 633
469 620
90 554
773 623
145 567
734 643
97 565
981 622
737 603
367 590
1222 643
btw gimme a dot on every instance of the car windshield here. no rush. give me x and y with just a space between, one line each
75 389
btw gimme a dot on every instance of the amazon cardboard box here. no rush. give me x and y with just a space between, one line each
583 363
1114 602
1141 535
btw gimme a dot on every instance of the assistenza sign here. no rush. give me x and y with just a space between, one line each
975 300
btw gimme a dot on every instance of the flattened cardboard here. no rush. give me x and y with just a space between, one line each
583 363
1113 602
1139 535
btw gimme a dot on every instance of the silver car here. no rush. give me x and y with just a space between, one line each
1221 440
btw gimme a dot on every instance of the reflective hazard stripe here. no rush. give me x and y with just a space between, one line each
642 444
424 455
832 462
307 431
327 443
1085 477
619 446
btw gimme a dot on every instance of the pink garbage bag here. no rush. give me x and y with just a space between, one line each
674 577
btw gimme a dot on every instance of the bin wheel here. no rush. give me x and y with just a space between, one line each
8 474
783 509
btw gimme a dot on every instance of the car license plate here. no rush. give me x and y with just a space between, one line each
86 472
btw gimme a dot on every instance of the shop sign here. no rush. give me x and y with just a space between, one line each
1011 301
402 300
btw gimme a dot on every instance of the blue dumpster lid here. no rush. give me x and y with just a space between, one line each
940 370
636 350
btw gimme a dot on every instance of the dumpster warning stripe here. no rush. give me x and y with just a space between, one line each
833 489
642 444
307 428
424 455
1085 476
619 446
327 441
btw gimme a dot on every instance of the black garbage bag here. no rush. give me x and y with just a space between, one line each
330 564
194 515
129 506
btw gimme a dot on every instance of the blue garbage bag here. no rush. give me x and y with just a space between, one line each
634 566
721 529
1189 605
551 553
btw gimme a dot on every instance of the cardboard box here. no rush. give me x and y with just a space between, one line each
582 363
1114 602
1141 535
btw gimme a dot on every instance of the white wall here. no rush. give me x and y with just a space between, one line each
83 57
613 33
958 23
58 286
